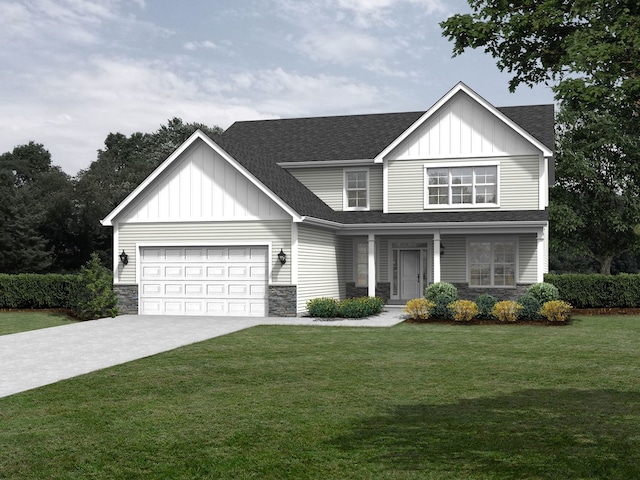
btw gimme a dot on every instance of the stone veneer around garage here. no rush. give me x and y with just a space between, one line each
127 299
283 300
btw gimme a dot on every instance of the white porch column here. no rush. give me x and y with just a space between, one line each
436 256
540 254
372 265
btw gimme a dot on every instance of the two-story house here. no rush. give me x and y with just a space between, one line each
274 213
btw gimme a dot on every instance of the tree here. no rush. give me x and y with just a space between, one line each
595 207
590 47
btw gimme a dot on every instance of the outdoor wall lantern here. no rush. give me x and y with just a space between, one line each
124 258
282 257
441 249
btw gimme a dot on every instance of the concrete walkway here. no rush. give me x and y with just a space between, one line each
40 357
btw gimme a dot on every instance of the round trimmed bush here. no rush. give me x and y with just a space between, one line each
485 304
441 288
544 292
530 307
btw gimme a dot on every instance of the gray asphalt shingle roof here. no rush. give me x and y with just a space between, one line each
260 145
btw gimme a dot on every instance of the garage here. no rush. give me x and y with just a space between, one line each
208 280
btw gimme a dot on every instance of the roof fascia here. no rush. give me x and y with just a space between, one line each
326 163
197 135
461 87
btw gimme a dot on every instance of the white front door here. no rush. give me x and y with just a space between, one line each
410 274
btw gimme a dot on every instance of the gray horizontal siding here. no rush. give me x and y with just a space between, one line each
518 182
278 233
528 258
321 271
328 184
453 264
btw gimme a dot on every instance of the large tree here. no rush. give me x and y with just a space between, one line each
36 208
595 206
589 51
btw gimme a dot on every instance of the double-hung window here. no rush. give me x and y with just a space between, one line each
492 263
461 186
356 189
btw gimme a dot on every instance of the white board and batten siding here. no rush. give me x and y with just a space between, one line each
328 184
462 132
202 186
321 253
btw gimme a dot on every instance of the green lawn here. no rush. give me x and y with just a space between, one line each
22 321
411 402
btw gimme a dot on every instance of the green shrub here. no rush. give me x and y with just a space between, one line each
463 310
441 308
96 298
38 291
360 307
530 307
419 308
441 288
441 294
323 307
556 311
544 292
485 304
506 311
598 291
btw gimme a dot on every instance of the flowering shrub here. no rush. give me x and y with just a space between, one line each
556 311
419 308
506 310
463 310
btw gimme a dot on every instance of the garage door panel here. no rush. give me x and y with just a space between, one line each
204 281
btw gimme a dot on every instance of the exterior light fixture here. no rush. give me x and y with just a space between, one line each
441 249
124 258
282 257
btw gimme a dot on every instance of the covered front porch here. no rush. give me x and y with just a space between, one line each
399 264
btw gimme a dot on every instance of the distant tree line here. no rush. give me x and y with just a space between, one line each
50 221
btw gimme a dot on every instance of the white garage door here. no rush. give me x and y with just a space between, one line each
203 281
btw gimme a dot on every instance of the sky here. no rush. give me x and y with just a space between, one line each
74 71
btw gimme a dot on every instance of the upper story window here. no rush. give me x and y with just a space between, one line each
461 186
356 189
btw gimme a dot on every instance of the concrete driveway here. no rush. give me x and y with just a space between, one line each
40 357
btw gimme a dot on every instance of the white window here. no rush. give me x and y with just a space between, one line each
461 186
361 263
356 189
492 263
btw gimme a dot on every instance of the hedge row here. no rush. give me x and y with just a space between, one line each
598 291
38 291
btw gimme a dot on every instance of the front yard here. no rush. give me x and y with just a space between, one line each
417 401
13 321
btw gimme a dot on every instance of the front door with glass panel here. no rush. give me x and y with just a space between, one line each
410 274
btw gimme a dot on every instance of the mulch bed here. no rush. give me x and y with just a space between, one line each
440 321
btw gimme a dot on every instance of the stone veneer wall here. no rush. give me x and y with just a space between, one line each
283 300
127 299
468 293
383 290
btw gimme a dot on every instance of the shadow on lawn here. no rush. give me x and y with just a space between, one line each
528 434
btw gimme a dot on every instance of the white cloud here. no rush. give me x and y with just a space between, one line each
192 46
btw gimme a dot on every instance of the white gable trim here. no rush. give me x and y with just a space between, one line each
461 87
197 135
